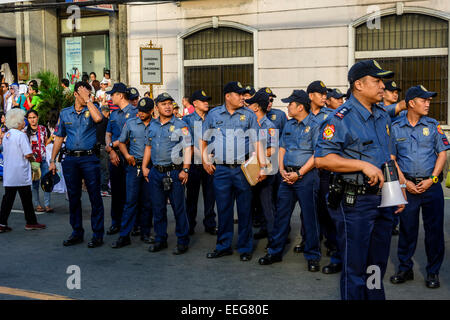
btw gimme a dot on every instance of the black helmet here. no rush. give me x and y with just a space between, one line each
48 181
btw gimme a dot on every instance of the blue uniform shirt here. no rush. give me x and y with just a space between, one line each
417 148
79 128
135 131
267 134
196 132
231 135
168 141
391 111
322 115
278 118
299 140
118 118
355 133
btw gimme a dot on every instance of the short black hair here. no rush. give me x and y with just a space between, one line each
33 83
93 74
82 84
306 106
85 78
106 72
65 82
5 83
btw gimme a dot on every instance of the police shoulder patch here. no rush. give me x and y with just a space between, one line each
328 132
445 141
341 113
439 129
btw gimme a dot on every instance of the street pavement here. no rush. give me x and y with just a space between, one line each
37 261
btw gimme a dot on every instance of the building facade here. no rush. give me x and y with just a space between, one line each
286 44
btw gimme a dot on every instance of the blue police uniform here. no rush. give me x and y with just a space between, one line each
278 118
116 122
198 176
138 196
165 140
298 139
79 128
227 133
363 230
416 149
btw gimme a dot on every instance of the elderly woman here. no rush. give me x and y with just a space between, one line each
17 171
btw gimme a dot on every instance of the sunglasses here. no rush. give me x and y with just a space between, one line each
271 100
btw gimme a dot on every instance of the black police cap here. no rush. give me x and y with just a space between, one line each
367 68
233 86
133 93
261 98
419 92
118 87
335 93
199 95
299 96
317 86
163 97
269 91
391 86
145 104
250 90
48 181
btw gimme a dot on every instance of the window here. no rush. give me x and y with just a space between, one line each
415 47
215 56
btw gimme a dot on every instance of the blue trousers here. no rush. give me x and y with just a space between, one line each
138 200
198 176
432 204
327 227
364 237
263 192
305 192
230 184
159 206
88 168
117 176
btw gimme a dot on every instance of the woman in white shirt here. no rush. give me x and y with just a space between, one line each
17 155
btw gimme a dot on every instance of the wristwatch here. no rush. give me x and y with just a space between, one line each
434 179
300 176
52 161
186 170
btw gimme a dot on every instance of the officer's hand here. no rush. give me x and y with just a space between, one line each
411 187
114 158
262 175
52 167
400 207
374 174
145 173
131 161
209 168
183 176
84 93
424 185
283 174
291 177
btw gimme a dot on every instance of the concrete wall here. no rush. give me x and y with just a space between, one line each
298 40
8 25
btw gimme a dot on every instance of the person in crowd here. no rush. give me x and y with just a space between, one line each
17 155
33 99
10 97
65 84
37 134
188 108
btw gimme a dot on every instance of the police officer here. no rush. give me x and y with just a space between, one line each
133 96
390 100
300 182
119 95
138 198
167 137
197 175
232 130
276 116
317 92
355 143
263 190
420 148
335 98
248 93
77 123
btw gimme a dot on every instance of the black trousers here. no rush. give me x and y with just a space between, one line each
27 204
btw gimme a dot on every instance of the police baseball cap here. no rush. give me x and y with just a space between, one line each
199 95
391 86
317 86
299 96
368 68
118 87
163 97
234 86
261 98
145 105
335 93
419 92
134 93
48 181
269 91
250 90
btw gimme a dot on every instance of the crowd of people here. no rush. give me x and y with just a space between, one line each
325 154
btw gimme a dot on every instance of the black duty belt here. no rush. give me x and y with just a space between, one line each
230 165
417 180
80 153
168 168
292 169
